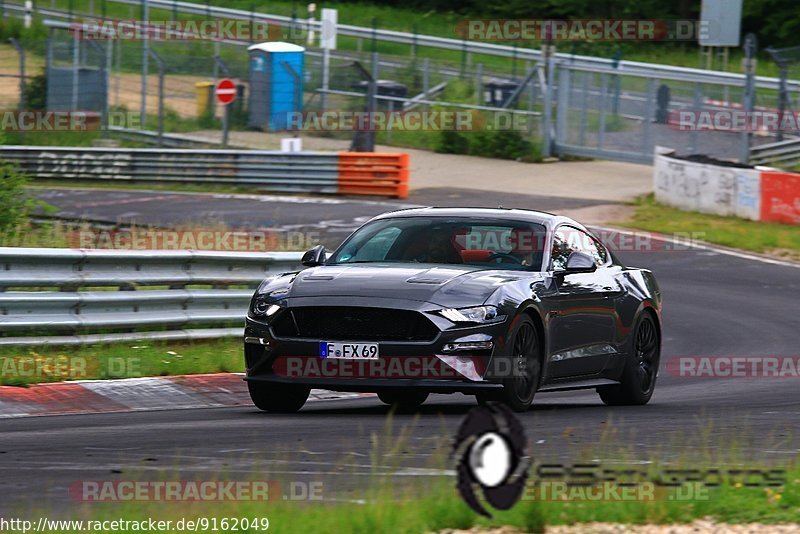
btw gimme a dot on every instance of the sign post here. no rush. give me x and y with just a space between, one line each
226 94
327 41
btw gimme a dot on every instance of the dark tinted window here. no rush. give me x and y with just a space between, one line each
567 240
483 242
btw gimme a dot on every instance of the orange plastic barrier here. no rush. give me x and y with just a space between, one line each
780 197
373 173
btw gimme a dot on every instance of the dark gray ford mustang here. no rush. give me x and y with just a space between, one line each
498 303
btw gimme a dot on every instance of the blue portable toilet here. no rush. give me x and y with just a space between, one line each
276 84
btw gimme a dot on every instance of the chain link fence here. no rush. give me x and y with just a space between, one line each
571 108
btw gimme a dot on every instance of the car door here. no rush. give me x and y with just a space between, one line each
582 315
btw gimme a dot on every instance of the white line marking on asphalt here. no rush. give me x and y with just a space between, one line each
700 246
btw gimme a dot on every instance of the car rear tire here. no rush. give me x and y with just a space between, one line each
403 401
278 398
641 369
519 389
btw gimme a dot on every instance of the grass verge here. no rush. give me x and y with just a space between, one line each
21 366
382 503
782 240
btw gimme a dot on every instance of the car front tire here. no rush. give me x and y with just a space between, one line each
519 389
278 398
403 401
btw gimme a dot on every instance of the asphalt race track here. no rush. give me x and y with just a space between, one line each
715 304
331 218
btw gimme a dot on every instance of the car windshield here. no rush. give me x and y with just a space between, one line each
497 244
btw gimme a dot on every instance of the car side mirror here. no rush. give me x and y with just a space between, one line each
314 257
580 262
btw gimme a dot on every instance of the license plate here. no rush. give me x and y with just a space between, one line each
348 351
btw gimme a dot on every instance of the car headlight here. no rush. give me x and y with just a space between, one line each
478 314
261 308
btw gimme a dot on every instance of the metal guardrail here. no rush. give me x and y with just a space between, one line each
779 153
170 140
263 170
68 314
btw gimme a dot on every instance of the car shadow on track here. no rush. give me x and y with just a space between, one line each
441 408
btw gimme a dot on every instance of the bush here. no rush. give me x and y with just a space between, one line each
452 143
502 144
14 201
36 92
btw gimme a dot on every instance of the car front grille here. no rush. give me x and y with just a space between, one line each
348 323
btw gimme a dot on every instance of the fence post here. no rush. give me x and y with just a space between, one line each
547 96
21 52
389 125
109 50
414 41
479 84
783 97
514 62
601 131
463 57
326 77
750 49
698 91
648 121
426 75
118 61
562 102
145 69
161 73
76 51
584 108
375 66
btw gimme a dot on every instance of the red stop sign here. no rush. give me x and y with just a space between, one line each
226 91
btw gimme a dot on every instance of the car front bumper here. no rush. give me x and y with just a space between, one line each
424 365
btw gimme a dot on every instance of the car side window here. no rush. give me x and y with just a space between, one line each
561 249
567 240
590 246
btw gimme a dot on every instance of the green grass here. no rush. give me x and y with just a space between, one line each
21 366
431 504
770 238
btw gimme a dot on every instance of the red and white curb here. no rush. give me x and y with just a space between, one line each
135 394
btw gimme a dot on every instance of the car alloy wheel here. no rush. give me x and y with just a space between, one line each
519 389
646 355
638 379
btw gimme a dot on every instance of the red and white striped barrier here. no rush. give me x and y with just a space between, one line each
135 394
759 194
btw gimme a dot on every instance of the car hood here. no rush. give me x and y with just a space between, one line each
445 285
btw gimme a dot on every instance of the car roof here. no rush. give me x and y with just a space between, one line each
544 218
